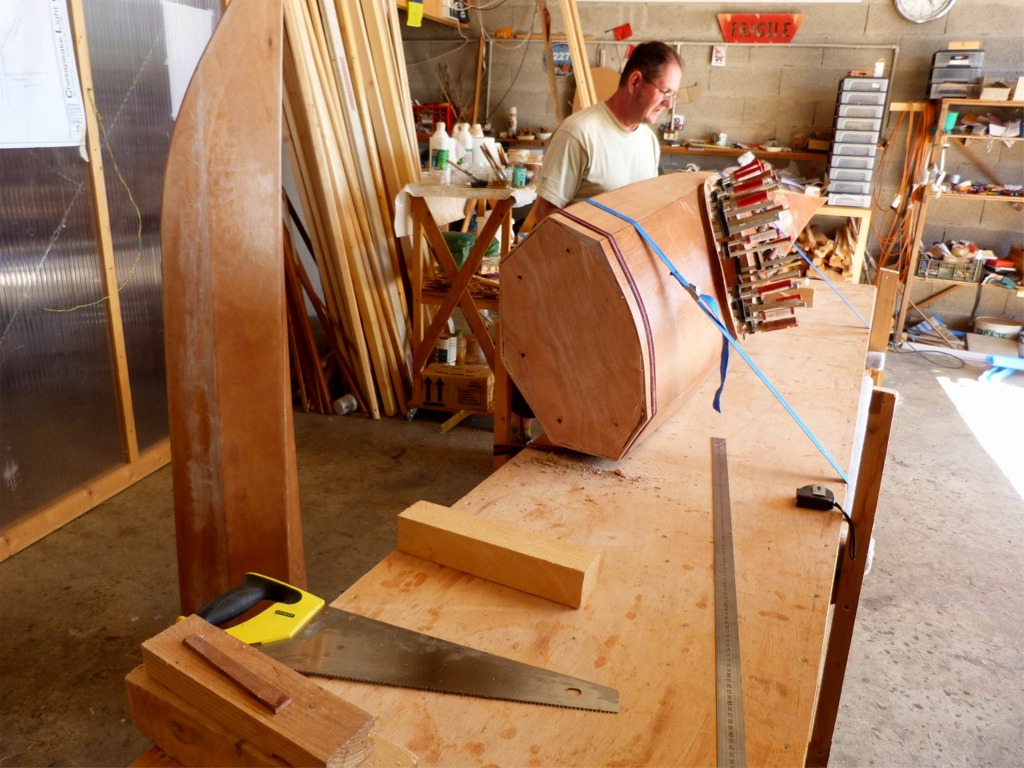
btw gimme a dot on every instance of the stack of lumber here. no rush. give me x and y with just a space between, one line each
206 698
351 142
831 255
585 91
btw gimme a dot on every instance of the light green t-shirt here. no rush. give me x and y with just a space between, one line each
591 153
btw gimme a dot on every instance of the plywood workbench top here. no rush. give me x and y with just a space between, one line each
648 627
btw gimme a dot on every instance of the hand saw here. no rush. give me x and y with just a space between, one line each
300 631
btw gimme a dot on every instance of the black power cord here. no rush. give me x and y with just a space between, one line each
820 497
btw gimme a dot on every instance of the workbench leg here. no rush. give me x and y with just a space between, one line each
502 408
851 576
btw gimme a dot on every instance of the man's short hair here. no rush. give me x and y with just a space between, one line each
649 59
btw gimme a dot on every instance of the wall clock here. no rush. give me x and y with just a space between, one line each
920 11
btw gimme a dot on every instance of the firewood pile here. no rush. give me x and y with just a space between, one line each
833 256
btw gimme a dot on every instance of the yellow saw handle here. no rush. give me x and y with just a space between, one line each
291 611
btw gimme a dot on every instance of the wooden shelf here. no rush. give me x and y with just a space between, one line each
785 154
932 198
987 198
986 137
986 103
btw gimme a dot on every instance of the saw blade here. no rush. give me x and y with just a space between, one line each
348 646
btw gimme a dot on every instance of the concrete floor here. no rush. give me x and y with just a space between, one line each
936 675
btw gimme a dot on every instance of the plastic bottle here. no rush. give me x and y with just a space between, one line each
466 143
460 348
345 404
476 131
440 149
513 121
455 155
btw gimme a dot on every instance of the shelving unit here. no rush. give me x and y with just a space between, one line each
931 198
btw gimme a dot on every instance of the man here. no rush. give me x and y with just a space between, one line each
611 144
604 147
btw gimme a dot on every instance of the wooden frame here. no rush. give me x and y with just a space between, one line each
137 462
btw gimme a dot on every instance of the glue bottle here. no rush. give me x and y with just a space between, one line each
440 149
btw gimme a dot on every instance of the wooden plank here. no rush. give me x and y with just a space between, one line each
235 479
318 729
506 554
115 327
851 575
648 627
18 535
881 319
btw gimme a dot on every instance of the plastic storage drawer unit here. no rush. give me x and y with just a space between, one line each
858 124
850 174
857 150
849 187
849 161
862 97
870 111
969 59
870 84
855 137
853 201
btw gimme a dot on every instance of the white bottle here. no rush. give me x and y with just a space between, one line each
476 131
440 147
513 121
457 146
466 146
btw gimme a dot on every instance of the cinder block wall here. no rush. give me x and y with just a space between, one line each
765 92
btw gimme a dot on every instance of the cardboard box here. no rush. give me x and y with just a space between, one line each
456 388
1018 91
994 90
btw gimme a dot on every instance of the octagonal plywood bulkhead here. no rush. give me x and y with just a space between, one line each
601 340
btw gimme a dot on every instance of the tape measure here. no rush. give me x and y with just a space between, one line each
732 733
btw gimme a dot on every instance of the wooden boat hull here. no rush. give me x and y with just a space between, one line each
602 341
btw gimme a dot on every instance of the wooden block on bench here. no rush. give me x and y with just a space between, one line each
318 728
184 732
560 571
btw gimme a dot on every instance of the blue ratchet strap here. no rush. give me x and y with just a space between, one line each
702 301
832 286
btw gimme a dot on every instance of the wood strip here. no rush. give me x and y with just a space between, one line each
851 576
261 689
506 554
235 478
319 729
25 532
115 326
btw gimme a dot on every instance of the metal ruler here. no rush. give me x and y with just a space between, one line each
732 733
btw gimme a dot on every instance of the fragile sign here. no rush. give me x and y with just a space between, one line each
759 27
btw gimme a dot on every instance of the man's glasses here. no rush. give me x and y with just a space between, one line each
668 95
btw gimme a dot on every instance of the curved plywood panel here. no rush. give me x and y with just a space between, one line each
232 445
